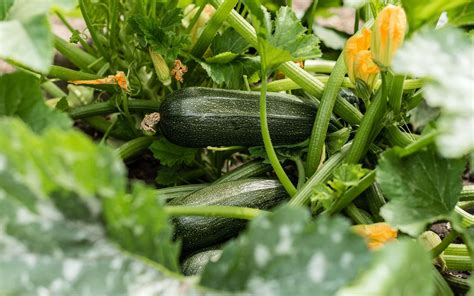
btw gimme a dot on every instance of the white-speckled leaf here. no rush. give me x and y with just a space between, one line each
400 268
51 239
287 254
445 58
421 188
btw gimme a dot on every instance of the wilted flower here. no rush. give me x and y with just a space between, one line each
389 31
376 234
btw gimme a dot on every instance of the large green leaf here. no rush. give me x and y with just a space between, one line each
51 238
20 96
286 254
400 268
285 39
229 41
422 188
170 154
462 15
231 73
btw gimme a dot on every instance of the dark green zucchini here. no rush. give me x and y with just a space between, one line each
201 117
200 232
195 263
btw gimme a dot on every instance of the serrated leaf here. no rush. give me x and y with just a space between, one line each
231 74
170 154
421 188
20 96
222 58
400 268
51 238
286 254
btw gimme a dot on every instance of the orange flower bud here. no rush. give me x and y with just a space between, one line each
389 31
354 45
376 234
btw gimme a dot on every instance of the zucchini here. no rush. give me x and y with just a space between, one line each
200 232
201 117
196 262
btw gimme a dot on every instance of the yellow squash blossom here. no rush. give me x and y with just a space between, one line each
354 45
376 234
366 73
388 34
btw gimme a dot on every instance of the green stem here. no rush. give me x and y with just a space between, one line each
52 89
467 219
396 93
134 147
302 197
376 200
311 15
356 20
301 172
267 141
72 30
467 193
214 211
143 106
321 122
319 66
456 250
442 287
436 251
288 84
113 7
92 30
396 137
421 143
368 124
460 263
357 215
85 61
195 18
221 14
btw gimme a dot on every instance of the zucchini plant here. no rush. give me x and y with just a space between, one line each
236 147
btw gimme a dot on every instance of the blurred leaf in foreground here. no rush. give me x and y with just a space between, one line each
400 268
286 254
51 238
448 83
20 95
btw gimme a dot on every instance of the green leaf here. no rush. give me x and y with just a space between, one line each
337 139
400 268
222 58
422 12
20 96
329 37
286 254
52 241
231 73
161 33
170 154
140 225
422 188
286 38
229 41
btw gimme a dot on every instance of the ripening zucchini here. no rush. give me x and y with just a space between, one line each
201 117
200 232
